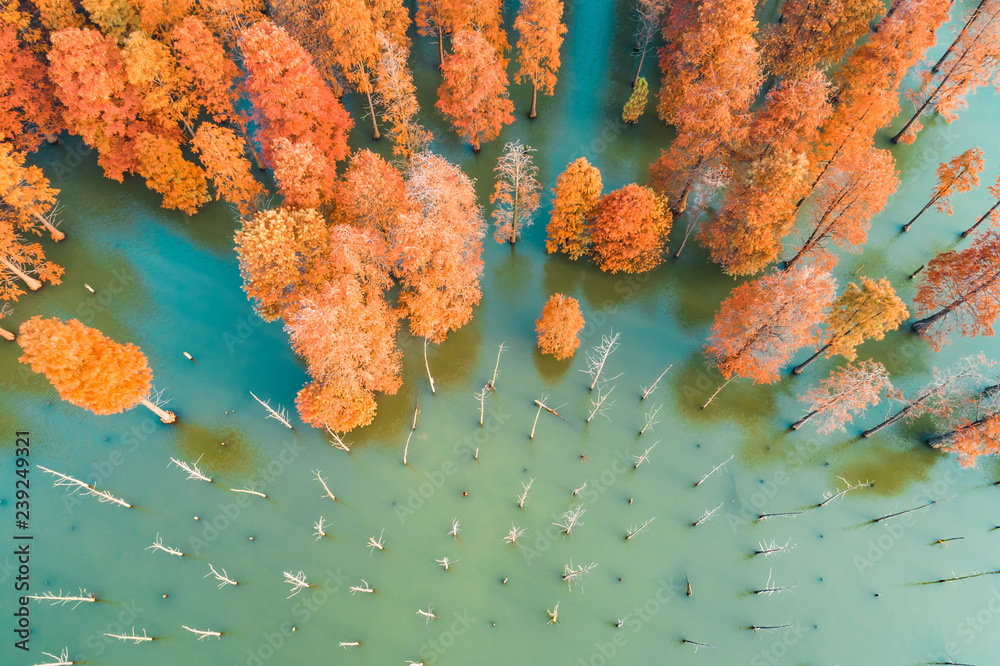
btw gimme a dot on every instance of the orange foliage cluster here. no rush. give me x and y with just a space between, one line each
473 92
86 368
559 326
762 323
630 230
539 24
574 205
960 289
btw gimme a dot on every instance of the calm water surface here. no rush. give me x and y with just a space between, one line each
171 284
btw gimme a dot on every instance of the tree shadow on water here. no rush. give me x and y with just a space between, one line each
693 382
549 369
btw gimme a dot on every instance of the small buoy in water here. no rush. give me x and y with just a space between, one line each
251 538
295 628
188 356
629 500
165 596
494 623
89 288
504 581
877 594
465 494
619 580
222 443
688 587
197 518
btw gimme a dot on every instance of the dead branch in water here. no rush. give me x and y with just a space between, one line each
131 637
455 528
279 414
191 469
714 470
697 645
202 635
849 488
158 545
445 562
297 581
428 614
523 497
61 599
708 514
248 492
573 574
374 543
647 391
768 549
900 513
326 488
514 534
571 519
651 419
784 514
598 356
362 588
493 382
320 528
80 486
416 411
644 457
598 403
755 627
633 531
337 440
577 491
954 579
770 588
223 577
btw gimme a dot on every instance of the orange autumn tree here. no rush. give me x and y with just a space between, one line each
438 250
283 258
28 110
221 151
959 174
960 289
865 312
559 326
851 192
439 18
847 391
372 195
355 47
25 196
304 177
100 105
540 29
86 368
162 164
815 33
473 93
21 261
289 96
771 170
574 205
763 322
711 73
515 196
630 230
397 95
347 335
868 82
969 63
974 431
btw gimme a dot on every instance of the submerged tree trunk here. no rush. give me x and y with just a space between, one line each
981 220
906 227
716 393
55 233
534 100
428 367
6 335
895 418
165 416
440 48
33 284
638 70
972 19
801 422
371 107
797 370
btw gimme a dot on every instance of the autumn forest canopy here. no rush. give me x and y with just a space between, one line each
777 171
